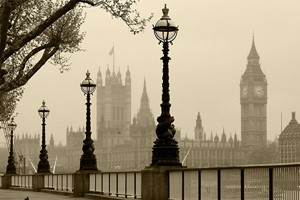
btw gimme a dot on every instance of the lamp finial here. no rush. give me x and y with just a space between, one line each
165 11
87 74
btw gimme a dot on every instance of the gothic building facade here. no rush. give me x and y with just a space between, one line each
113 113
27 150
28 147
69 160
289 142
136 151
113 108
125 143
253 99
211 151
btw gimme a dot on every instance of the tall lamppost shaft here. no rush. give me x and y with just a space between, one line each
88 116
11 168
43 134
165 149
165 106
88 159
43 165
11 152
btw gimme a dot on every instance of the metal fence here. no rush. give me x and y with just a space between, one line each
22 181
119 184
62 182
279 182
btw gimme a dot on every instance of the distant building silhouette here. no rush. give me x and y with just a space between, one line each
122 145
29 147
289 142
136 151
211 152
253 98
113 108
73 149
113 113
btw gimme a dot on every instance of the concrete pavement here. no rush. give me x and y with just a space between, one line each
21 195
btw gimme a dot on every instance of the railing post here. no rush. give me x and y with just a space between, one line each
182 186
95 183
109 184
102 183
6 181
134 180
242 184
117 184
219 184
38 182
81 183
125 184
271 183
199 184
155 182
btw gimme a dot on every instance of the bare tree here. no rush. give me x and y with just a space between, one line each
34 31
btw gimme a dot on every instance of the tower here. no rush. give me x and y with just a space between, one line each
144 116
113 108
143 127
199 129
253 99
142 131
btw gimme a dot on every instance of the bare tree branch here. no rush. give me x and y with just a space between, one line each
33 31
4 19
40 28
31 54
16 83
91 3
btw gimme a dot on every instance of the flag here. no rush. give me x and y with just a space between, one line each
112 51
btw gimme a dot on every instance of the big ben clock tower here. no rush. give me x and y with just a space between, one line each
253 97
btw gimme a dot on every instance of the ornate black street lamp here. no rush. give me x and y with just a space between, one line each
11 168
165 149
88 160
43 166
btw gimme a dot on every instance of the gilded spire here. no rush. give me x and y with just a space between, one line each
107 71
198 120
144 89
99 74
253 53
144 99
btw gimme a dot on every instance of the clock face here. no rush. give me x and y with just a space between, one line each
244 91
259 91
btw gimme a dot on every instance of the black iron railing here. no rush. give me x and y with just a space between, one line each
61 182
119 184
260 182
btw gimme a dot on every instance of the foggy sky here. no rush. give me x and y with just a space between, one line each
207 60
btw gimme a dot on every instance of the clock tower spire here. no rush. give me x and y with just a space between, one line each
253 98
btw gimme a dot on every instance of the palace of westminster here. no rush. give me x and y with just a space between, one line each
125 143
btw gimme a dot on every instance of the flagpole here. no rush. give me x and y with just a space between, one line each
114 57
281 122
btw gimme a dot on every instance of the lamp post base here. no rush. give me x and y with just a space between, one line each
88 162
165 153
11 168
43 167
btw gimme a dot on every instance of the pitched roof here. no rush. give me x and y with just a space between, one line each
253 53
292 129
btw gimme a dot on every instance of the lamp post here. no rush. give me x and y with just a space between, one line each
165 149
11 168
43 166
88 159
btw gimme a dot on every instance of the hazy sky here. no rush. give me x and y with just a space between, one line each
208 58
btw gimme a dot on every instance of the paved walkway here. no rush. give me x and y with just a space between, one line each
21 195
